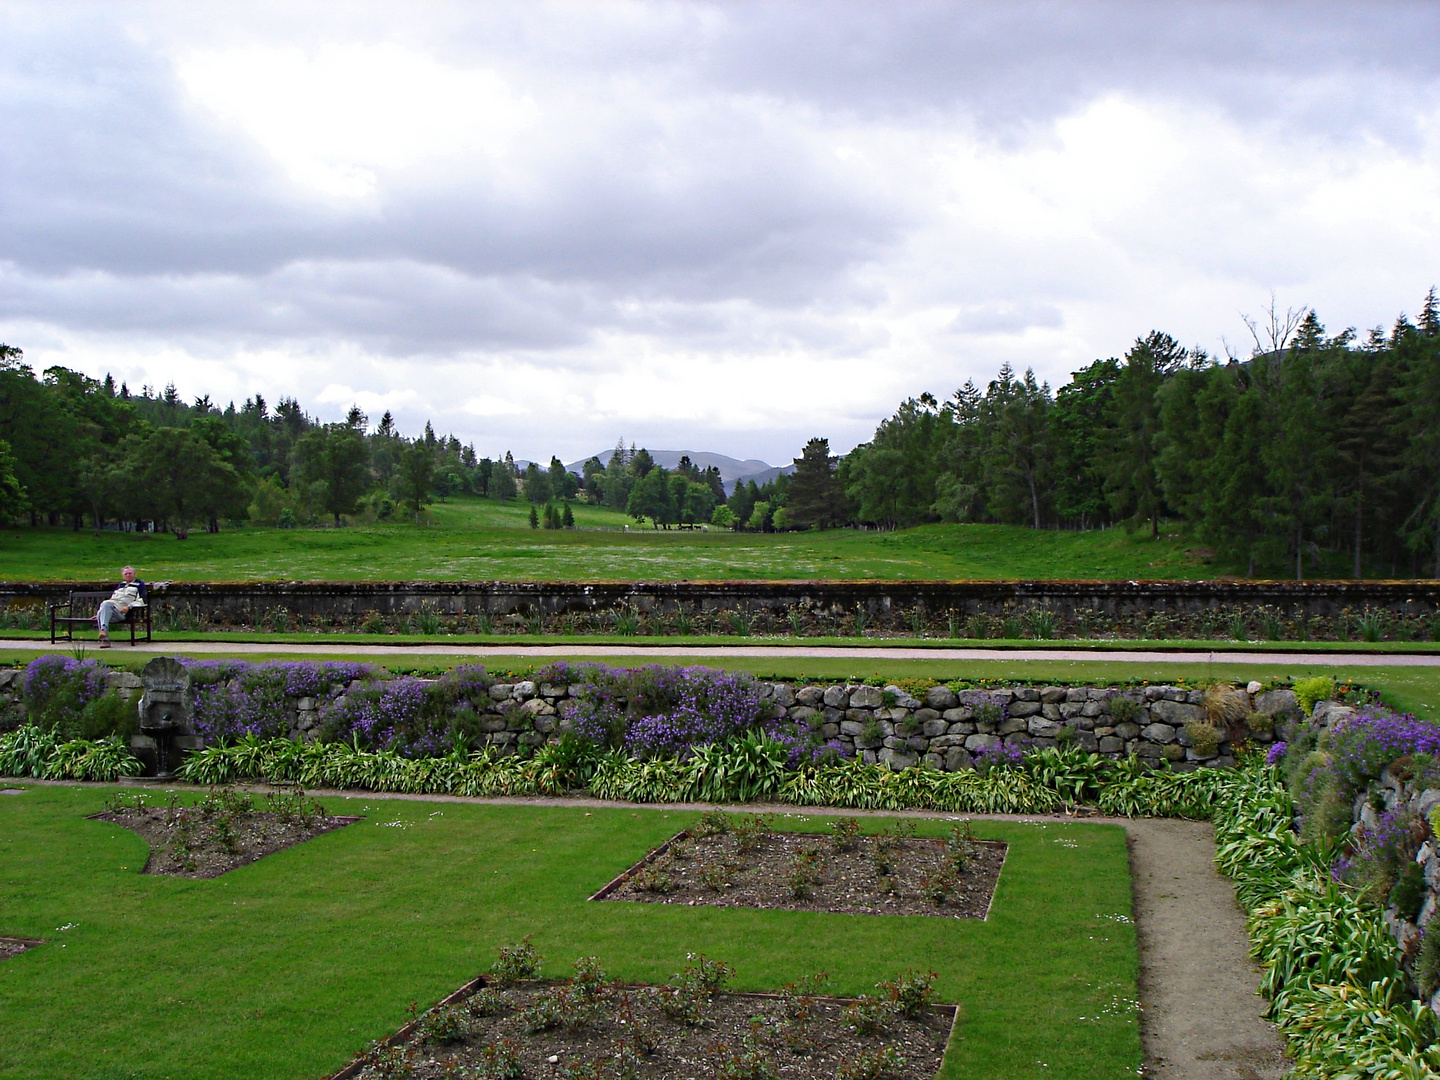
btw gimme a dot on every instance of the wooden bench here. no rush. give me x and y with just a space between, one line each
79 603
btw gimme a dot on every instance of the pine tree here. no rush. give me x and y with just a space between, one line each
534 517
567 521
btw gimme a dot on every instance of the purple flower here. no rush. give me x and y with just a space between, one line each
1275 753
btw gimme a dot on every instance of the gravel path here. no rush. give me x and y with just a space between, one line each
827 652
1200 1016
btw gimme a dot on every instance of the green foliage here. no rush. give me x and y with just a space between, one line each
32 751
516 962
1312 689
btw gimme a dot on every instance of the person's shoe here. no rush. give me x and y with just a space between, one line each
104 643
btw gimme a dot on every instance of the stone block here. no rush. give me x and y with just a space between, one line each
1328 713
1051 712
943 742
1092 709
1101 731
545 724
975 743
1109 744
851 727
1153 693
1426 801
932 728
784 695
897 759
501 691
956 759
1045 729
1070 709
958 715
1027 694
1158 733
523 691
837 698
902 697
1128 730
864 697
962 727
810 695
492 724
1024 708
1275 702
1086 741
925 715
1151 750
832 715
1052 695
114 680
536 706
1077 693
830 731
1176 713
1173 752
801 714
1020 739
1013 724
941 698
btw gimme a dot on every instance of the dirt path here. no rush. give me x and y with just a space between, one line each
806 652
1200 1016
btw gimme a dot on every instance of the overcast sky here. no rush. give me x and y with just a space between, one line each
723 227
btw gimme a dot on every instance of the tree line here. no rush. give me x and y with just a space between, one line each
1316 441
74 449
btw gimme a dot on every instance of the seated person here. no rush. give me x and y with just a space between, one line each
130 593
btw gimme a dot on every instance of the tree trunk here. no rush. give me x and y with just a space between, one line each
1299 555
1359 526
1155 523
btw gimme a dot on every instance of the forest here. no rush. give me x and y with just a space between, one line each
1315 441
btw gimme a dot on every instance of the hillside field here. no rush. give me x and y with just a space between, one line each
480 540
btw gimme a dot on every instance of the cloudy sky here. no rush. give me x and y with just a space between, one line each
719 227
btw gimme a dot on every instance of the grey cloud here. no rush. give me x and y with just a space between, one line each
1007 318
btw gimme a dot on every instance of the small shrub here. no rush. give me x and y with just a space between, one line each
845 834
516 962
895 837
1427 963
1041 623
910 992
750 831
1124 710
940 886
500 1060
960 846
654 879
1204 738
977 626
1408 892
1260 723
487 1001
873 1063
711 823
803 876
1309 691
446 1024
391 1062
1373 624
715 876
869 1014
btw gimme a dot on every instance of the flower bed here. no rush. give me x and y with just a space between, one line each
223 831
591 1028
741 862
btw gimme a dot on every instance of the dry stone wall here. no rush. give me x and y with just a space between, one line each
945 729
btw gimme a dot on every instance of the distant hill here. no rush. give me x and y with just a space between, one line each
730 468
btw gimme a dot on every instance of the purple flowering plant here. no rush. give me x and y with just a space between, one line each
55 688
657 711
413 717
231 698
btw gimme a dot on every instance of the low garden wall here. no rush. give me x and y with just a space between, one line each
946 727
1401 610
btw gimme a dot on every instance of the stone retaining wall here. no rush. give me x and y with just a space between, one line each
251 603
944 730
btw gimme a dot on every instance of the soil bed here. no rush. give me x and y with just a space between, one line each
887 874
15 946
222 832
629 1034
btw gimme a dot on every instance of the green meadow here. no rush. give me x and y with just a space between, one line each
483 540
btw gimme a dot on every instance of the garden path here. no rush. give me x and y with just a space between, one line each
827 652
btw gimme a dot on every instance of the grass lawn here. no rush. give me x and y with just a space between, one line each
285 967
481 540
